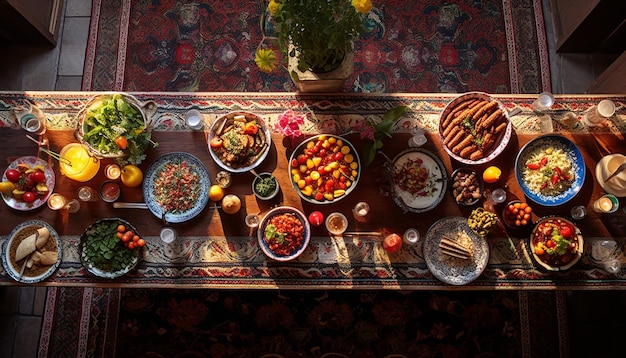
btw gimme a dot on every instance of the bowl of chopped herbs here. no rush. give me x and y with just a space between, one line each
265 186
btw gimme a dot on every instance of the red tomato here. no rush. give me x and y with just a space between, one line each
39 177
392 243
566 231
29 197
13 175
316 218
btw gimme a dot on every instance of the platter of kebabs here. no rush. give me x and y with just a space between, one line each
474 128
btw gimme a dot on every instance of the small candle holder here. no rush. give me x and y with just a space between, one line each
58 201
223 179
112 171
361 211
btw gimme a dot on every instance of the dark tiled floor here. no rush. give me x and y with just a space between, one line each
597 319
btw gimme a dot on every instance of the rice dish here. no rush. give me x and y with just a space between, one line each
548 170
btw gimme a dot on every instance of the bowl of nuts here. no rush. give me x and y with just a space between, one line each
466 186
517 214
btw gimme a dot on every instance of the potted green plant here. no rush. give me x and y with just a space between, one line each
315 36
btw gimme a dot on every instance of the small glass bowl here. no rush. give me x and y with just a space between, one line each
466 186
263 176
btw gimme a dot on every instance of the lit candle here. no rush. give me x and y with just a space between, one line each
77 164
56 201
112 171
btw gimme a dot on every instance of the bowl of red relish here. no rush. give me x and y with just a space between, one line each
556 243
284 233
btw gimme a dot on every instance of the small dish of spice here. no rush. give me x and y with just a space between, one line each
265 186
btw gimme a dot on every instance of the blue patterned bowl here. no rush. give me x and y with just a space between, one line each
572 153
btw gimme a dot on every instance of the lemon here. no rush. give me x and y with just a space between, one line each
492 174
6 187
131 175
216 193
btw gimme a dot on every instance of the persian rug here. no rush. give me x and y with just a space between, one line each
112 322
495 46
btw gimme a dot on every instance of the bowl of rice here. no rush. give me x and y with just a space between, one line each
550 170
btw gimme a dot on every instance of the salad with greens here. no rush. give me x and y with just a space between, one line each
114 127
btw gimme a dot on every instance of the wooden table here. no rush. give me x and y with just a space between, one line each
217 250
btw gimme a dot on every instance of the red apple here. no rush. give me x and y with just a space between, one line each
392 243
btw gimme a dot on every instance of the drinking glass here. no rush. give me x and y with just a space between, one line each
194 120
596 115
86 193
544 102
578 212
498 195
545 124
336 223
168 234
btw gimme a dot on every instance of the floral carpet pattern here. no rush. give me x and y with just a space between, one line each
357 323
495 46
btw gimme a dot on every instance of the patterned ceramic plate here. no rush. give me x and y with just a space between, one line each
197 188
577 168
502 140
423 192
50 181
449 269
8 252
93 237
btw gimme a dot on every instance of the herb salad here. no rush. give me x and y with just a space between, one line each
113 127
103 253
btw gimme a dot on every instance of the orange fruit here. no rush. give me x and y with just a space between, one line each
492 174
216 193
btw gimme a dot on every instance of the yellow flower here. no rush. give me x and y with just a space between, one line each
362 6
273 7
266 60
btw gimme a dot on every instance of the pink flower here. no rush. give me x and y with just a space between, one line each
367 131
289 123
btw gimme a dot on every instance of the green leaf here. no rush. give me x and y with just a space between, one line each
369 153
394 114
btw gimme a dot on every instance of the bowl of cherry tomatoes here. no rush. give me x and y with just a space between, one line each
26 183
517 214
324 169
556 243
284 233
